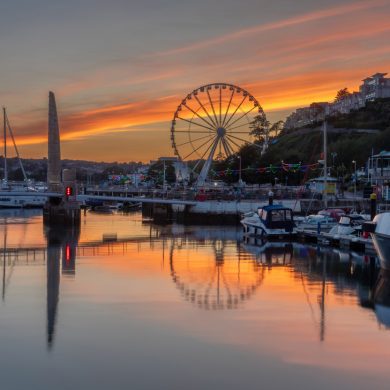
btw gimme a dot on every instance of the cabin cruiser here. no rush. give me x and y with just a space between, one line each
380 233
311 222
269 221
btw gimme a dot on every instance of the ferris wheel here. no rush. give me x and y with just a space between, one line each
213 122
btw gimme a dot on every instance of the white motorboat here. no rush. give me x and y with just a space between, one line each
311 222
348 225
270 221
380 233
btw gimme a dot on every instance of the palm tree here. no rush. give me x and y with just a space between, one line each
341 94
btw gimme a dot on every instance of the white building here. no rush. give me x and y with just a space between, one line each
378 168
306 115
374 87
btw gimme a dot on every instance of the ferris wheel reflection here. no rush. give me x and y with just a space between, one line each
222 279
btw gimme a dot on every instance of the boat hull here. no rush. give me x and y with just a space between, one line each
254 230
18 202
382 246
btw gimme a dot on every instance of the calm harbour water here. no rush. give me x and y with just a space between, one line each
174 307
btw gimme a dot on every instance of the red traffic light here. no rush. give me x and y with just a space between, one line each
68 191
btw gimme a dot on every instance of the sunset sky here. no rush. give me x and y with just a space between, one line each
120 68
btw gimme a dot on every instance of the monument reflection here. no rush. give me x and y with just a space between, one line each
61 249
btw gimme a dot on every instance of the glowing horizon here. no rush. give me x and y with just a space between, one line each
117 105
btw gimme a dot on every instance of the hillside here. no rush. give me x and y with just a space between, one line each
352 136
375 115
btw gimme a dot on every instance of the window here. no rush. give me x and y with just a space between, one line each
278 215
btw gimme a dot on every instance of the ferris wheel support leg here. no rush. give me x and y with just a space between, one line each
265 145
207 165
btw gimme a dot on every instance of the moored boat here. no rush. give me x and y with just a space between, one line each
21 199
348 225
316 221
17 195
272 221
380 233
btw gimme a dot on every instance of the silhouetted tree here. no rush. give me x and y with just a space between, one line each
259 127
276 128
341 94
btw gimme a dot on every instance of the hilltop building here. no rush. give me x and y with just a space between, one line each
374 87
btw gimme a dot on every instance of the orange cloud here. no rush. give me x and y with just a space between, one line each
297 20
303 59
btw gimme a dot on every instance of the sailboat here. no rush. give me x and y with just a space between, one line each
16 195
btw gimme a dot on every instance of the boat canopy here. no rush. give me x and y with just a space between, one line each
277 217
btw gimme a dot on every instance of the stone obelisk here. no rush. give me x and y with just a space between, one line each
61 208
54 149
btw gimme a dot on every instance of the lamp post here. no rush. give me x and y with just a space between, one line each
355 178
164 184
239 171
333 154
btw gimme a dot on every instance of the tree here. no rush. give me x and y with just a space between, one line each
276 128
156 172
259 127
342 94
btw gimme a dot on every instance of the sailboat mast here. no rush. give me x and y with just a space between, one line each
5 148
16 148
325 164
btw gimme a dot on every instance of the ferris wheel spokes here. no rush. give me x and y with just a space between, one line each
212 107
242 116
237 108
207 113
213 122
195 150
195 113
228 106
195 140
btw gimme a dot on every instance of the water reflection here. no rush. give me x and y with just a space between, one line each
211 267
379 298
348 273
224 283
61 248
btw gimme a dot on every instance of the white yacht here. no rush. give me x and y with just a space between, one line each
16 199
17 195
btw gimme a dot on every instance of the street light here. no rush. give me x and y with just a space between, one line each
355 180
333 154
239 171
